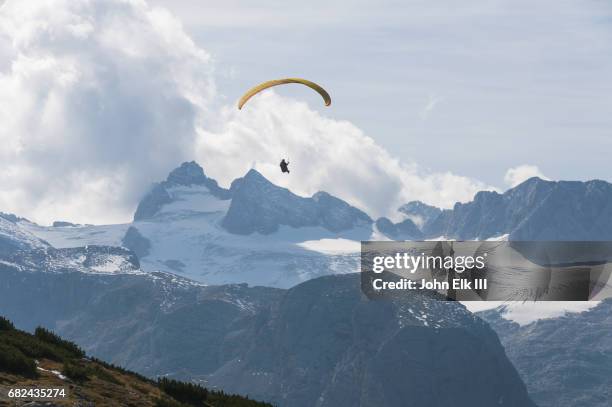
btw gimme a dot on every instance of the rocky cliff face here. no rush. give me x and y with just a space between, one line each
260 206
323 344
564 361
404 230
533 210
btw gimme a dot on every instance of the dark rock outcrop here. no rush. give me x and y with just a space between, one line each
136 242
157 197
64 224
404 230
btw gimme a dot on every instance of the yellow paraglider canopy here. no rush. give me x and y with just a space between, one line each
265 85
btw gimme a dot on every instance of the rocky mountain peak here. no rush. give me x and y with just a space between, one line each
12 217
254 175
188 173
419 213
260 206
404 230
252 179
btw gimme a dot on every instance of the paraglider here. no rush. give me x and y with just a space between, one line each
265 85
284 165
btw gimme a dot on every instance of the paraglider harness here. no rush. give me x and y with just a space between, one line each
284 166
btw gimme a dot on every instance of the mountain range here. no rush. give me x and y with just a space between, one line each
320 343
261 234
254 232
251 289
533 210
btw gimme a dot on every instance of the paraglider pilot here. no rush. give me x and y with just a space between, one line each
284 165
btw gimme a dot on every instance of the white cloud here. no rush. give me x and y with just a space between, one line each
97 99
100 98
325 154
516 175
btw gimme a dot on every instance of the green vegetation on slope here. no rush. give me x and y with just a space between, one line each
45 360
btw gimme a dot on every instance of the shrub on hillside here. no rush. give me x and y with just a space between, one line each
33 347
49 337
167 402
6 325
12 360
184 392
75 372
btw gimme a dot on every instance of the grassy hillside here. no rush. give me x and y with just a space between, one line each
44 360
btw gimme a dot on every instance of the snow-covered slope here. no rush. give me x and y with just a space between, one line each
13 238
21 250
255 233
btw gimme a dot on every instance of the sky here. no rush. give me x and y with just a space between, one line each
100 98
473 87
